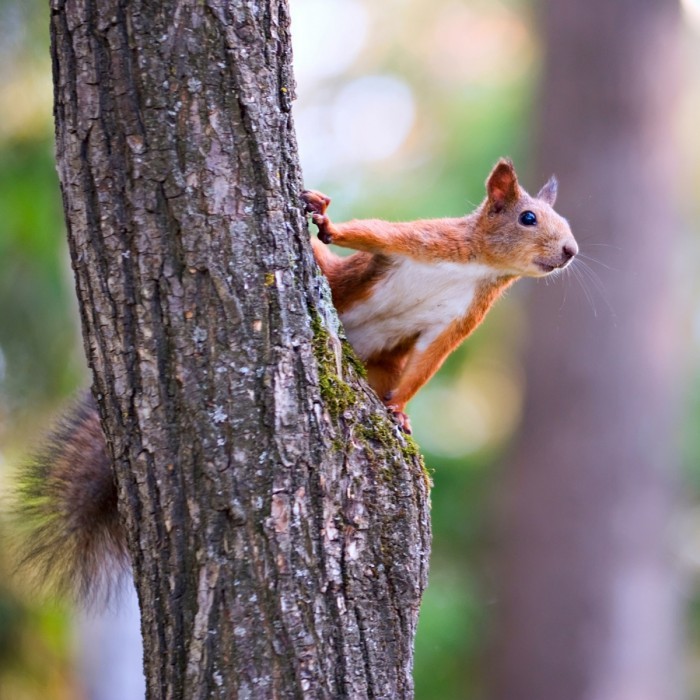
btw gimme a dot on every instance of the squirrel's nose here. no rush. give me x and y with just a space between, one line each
569 250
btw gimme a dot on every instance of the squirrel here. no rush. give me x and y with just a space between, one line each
407 298
415 290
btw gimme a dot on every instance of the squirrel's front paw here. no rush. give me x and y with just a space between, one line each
316 203
324 227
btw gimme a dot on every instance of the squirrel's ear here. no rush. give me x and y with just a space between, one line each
549 192
502 185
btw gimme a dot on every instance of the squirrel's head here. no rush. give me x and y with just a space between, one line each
523 235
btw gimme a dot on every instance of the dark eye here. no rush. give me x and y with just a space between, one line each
528 218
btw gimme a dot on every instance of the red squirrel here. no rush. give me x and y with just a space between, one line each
416 290
407 298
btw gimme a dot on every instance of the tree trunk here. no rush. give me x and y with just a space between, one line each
278 522
590 603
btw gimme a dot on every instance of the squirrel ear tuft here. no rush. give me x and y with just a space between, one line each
549 192
502 185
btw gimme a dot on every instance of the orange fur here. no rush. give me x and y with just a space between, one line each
385 369
400 297
351 279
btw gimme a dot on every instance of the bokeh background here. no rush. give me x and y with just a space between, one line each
562 437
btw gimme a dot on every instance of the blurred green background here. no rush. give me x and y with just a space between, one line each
403 108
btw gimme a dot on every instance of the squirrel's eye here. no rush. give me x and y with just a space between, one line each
528 218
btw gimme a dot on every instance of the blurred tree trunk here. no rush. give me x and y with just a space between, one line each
278 522
590 606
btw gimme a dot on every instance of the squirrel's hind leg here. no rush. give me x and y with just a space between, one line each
384 374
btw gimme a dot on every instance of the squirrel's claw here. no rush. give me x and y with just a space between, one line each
401 418
322 221
315 202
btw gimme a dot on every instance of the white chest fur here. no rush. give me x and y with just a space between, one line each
414 298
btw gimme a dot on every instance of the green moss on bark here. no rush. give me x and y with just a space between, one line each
381 429
337 394
353 360
379 432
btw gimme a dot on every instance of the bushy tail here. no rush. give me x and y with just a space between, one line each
68 503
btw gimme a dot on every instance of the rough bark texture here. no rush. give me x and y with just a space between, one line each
590 607
278 522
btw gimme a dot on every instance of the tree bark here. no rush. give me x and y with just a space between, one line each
278 522
590 607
